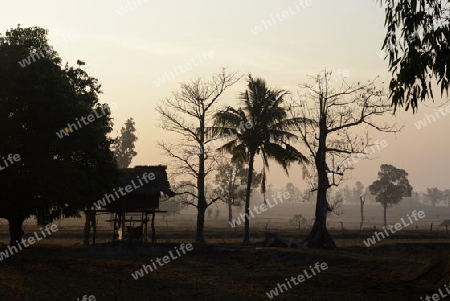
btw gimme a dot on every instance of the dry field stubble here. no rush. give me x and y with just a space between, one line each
410 265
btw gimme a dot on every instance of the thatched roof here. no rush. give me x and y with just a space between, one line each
145 194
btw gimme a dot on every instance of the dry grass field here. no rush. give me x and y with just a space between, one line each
407 266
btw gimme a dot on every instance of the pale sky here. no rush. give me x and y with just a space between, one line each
129 51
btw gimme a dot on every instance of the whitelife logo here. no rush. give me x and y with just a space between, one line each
219 140
319 267
397 226
265 24
9 251
166 259
71 127
437 297
86 298
11 159
38 54
431 118
196 61
262 207
359 156
110 197
131 5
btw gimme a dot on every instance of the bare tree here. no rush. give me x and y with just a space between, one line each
333 121
187 113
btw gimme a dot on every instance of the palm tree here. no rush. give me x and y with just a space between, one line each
265 132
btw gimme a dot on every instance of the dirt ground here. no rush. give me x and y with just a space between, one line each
407 266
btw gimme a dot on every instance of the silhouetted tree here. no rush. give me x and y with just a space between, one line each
187 113
58 173
331 123
124 144
263 115
391 187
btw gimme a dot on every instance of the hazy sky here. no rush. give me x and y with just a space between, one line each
129 49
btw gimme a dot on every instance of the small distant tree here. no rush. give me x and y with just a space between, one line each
231 180
392 185
446 194
434 196
123 147
298 219
294 192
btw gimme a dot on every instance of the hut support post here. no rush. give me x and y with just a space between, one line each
94 225
87 226
123 220
153 227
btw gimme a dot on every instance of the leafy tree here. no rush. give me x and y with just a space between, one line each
434 196
446 195
333 122
124 144
231 180
391 187
262 109
417 45
56 174
294 192
187 113
298 219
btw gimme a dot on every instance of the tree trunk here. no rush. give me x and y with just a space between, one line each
201 209
15 230
319 237
94 225
87 226
153 226
230 212
251 160
202 205
385 208
362 201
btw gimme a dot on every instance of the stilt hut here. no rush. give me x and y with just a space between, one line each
136 197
